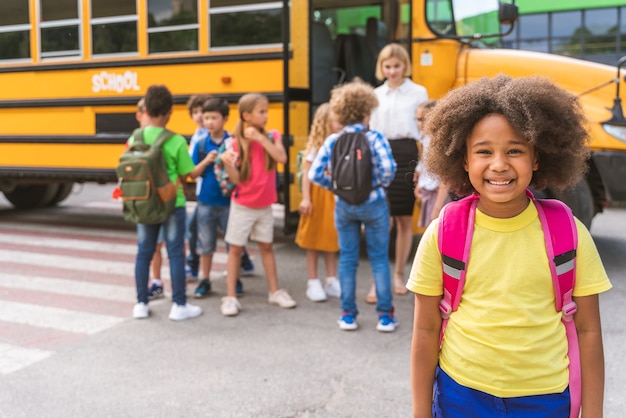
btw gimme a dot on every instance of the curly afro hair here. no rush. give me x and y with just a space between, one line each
550 118
353 102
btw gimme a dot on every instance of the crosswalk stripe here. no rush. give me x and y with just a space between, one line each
104 266
70 244
131 235
13 358
56 318
70 287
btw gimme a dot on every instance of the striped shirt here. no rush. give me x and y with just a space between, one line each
383 164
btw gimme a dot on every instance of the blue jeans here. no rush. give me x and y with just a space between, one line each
209 218
374 216
193 260
453 400
174 231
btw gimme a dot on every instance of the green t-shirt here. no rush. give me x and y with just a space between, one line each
176 154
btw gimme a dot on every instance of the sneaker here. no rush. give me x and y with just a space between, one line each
347 321
203 289
315 291
191 274
282 299
332 287
247 268
239 288
186 311
141 311
387 322
230 306
155 291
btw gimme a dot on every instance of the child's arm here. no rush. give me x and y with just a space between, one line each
589 330
305 204
202 165
274 149
424 353
229 157
442 194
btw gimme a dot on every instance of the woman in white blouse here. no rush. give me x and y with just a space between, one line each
398 99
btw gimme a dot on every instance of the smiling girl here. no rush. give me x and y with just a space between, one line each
505 347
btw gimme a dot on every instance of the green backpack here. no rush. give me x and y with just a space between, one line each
148 194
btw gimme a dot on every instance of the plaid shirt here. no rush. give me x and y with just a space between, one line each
383 164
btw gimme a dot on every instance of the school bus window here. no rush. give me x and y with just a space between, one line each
113 27
565 27
172 26
237 23
14 30
59 28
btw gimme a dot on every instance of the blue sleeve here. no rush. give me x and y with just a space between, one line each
320 168
385 163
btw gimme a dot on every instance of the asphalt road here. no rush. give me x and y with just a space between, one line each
266 362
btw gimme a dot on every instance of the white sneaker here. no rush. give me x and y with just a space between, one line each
141 311
332 287
186 311
230 306
282 299
315 291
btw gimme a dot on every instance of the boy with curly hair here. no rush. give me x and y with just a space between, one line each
352 105
505 348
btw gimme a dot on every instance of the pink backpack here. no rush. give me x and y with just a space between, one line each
559 229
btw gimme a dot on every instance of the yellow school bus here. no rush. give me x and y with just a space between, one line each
72 71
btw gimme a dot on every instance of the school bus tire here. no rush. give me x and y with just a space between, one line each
62 193
32 196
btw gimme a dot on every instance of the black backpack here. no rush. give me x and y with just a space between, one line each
351 163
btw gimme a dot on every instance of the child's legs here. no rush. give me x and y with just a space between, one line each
157 261
232 269
330 262
404 242
269 265
349 233
456 401
175 243
240 223
263 233
208 220
376 221
146 245
311 263
192 239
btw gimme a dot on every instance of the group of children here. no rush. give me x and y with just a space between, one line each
492 139
252 173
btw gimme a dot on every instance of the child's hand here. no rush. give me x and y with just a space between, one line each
417 192
253 134
305 207
211 157
229 157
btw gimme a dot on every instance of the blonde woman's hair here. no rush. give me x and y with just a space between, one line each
393 51
246 104
320 128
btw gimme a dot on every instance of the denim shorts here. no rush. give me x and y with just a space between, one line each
453 400
209 219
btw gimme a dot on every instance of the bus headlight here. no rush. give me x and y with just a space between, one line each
617 131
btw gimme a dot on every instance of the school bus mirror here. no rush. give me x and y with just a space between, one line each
508 13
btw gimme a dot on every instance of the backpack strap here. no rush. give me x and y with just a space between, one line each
163 136
561 237
456 220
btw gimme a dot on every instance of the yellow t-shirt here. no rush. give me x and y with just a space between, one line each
506 338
